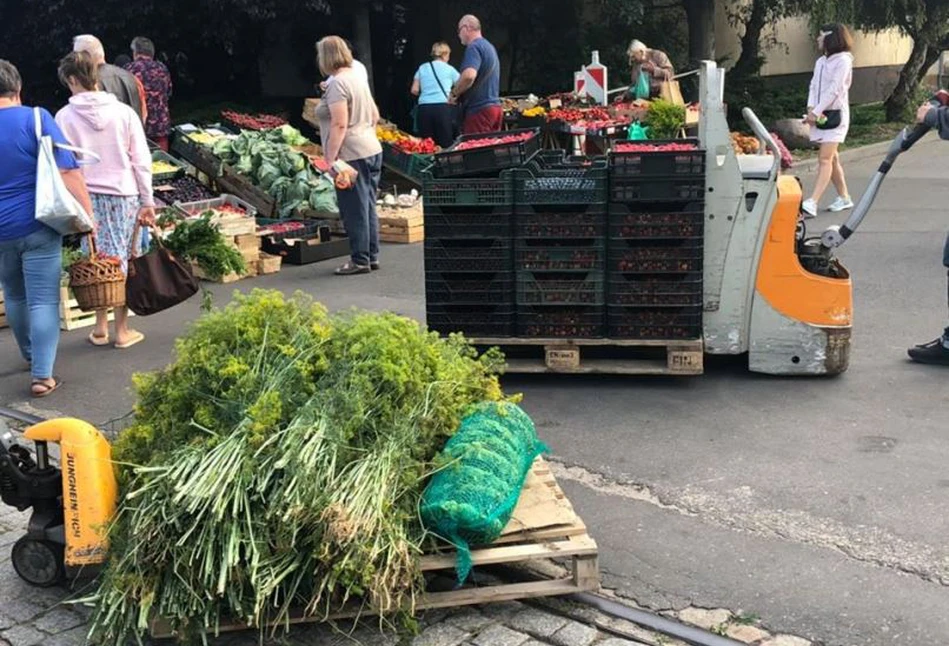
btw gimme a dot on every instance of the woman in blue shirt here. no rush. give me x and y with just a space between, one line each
30 253
432 85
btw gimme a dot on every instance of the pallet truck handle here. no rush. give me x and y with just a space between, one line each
763 135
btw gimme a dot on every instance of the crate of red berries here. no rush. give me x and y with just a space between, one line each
657 221
468 254
567 221
408 158
672 158
469 288
471 320
560 288
486 154
655 290
586 254
568 322
678 189
655 256
664 323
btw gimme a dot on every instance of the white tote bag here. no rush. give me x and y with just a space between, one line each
55 205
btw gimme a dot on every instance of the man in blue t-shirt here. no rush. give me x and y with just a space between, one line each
479 88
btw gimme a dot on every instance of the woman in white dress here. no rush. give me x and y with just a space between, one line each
828 114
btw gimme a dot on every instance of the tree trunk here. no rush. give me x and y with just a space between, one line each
362 36
701 19
920 60
749 61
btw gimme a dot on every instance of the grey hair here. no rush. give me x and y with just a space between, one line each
636 46
10 81
143 46
90 44
471 22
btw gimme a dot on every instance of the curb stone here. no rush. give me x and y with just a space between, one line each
854 154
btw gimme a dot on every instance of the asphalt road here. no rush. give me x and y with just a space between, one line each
819 505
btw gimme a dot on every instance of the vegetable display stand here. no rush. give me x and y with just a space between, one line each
482 154
71 317
544 525
239 185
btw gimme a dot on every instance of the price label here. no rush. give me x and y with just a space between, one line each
555 103
163 187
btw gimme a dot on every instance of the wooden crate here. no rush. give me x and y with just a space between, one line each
401 225
226 279
268 264
73 318
603 356
544 525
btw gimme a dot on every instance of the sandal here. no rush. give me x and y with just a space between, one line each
98 340
134 337
42 389
349 269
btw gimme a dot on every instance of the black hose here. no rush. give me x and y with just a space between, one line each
25 418
658 623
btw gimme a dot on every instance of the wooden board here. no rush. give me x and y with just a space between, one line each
543 526
600 356
401 225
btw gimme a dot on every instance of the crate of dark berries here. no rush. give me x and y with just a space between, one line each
550 178
570 221
487 192
468 222
560 288
486 154
657 221
672 158
568 322
469 288
657 189
474 321
655 256
654 290
664 323
468 254
534 254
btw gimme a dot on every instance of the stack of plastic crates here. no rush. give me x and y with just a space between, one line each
559 246
469 277
655 248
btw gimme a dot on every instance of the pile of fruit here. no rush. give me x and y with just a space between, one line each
745 144
483 142
183 189
636 147
536 111
405 142
253 121
222 211
203 138
161 167
282 227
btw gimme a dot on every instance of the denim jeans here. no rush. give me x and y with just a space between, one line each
30 271
357 209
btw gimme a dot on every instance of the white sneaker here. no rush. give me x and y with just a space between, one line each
841 204
809 207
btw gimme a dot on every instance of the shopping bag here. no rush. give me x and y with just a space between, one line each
55 205
642 89
671 92
157 280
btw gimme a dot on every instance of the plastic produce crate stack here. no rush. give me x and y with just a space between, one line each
656 241
560 246
469 277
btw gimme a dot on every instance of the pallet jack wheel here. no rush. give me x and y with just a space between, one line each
39 563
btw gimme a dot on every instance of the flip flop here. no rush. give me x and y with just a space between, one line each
97 340
137 337
46 389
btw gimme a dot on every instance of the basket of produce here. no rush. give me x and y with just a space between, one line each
482 154
260 121
97 281
183 189
680 157
165 167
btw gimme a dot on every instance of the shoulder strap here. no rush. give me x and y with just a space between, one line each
93 158
38 123
437 80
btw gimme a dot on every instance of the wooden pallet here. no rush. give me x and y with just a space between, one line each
543 526
71 317
603 356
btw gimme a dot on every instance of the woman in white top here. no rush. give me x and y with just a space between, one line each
828 114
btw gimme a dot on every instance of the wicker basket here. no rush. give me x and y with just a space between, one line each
97 284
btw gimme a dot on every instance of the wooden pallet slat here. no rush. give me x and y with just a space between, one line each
586 356
71 317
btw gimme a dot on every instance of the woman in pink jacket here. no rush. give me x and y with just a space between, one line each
120 184
828 113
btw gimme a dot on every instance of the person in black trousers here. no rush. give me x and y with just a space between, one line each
432 85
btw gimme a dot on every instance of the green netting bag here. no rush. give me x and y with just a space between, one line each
470 500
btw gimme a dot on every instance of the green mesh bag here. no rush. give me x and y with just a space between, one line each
470 501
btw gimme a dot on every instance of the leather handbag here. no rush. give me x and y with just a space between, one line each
157 280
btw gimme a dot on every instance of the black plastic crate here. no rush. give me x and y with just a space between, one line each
657 221
280 230
469 288
561 322
468 254
655 290
545 223
471 191
655 256
639 323
552 178
535 254
486 159
657 189
560 288
408 165
467 222
471 320
658 163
